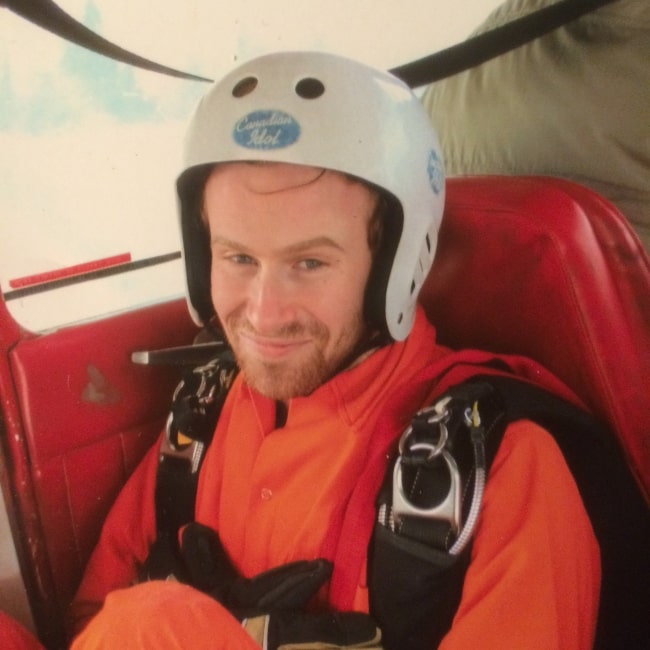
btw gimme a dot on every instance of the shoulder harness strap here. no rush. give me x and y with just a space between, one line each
431 498
195 410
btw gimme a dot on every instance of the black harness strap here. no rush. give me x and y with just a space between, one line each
415 578
196 407
420 551
445 63
488 45
50 16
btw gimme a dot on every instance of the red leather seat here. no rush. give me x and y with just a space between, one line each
77 416
535 266
547 268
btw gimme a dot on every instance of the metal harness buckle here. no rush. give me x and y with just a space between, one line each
213 380
449 510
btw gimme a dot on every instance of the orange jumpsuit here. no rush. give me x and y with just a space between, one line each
282 494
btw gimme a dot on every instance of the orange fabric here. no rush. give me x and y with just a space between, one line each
127 533
167 615
13 636
278 495
534 578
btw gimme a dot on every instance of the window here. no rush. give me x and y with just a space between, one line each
91 147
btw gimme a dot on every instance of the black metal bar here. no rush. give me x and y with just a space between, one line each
91 275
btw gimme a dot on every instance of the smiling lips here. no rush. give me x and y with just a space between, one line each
269 347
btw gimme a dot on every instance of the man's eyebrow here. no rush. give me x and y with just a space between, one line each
315 242
227 243
297 247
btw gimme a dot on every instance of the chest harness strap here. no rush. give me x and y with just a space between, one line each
430 501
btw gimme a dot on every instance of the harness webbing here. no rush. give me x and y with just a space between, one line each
415 582
196 407
405 570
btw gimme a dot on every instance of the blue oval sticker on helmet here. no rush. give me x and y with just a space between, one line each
436 173
266 130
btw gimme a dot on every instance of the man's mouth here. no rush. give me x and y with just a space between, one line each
271 347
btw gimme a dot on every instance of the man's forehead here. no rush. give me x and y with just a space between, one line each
266 178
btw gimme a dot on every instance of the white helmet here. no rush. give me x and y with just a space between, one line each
325 111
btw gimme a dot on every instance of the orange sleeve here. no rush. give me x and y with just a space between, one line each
163 614
124 542
534 578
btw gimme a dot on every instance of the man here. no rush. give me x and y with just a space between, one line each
310 203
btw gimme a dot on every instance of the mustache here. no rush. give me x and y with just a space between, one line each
292 330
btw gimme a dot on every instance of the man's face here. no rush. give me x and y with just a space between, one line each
290 262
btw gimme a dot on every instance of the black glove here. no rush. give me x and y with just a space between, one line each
295 630
271 604
210 570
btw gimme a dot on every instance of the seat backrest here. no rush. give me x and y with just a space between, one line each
76 416
547 268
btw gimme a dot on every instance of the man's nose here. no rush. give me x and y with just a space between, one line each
268 304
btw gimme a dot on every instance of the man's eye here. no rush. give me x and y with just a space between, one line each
310 264
240 258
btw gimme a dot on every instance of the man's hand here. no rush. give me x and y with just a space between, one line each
210 570
290 630
271 604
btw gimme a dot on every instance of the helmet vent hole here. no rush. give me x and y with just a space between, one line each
310 88
428 241
400 318
412 287
244 87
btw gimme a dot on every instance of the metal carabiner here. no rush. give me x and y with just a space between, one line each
436 414
449 509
